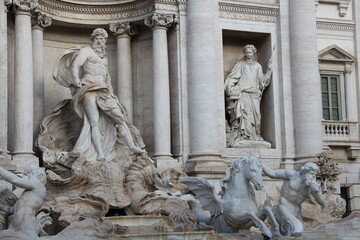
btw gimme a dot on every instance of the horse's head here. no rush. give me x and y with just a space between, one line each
248 167
253 168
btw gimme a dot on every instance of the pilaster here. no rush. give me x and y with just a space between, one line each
39 22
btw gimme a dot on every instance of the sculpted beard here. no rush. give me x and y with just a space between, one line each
99 49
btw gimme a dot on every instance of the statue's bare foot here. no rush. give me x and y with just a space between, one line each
137 150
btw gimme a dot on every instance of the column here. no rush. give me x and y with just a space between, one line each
39 21
203 77
24 107
307 106
123 33
350 103
3 81
160 23
354 197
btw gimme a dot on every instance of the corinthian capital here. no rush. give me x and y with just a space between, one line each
123 29
158 20
7 3
25 5
41 20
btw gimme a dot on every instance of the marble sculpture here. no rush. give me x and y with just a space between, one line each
295 189
236 208
25 208
244 88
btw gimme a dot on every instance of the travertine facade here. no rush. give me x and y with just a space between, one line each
168 61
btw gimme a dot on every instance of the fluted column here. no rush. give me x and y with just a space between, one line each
305 79
24 107
123 33
160 23
3 79
39 21
203 77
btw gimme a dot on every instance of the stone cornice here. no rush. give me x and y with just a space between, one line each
123 29
96 14
335 25
249 12
41 20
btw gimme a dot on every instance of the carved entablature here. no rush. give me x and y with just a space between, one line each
343 5
348 26
41 20
249 12
101 12
158 20
124 29
25 5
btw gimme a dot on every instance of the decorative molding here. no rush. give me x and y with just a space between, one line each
336 54
335 26
343 5
41 20
248 12
25 5
158 20
88 14
123 29
7 4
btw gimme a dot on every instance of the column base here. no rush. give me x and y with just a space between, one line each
209 166
165 162
24 159
5 162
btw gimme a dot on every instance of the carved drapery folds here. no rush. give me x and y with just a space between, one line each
158 20
41 20
123 29
25 5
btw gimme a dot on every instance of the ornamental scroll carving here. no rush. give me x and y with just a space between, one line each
158 20
124 29
25 5
41 20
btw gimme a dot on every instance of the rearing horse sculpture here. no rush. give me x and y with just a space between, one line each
236 207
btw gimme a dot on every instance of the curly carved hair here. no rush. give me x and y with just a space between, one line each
97 32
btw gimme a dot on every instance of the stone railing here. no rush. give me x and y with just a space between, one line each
339 130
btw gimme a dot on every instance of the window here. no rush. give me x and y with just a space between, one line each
331 97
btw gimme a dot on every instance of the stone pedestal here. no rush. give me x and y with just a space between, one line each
24 107
160 23
123 33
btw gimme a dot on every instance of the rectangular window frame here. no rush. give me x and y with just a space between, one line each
341 98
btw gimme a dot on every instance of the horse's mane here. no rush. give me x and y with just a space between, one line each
224 182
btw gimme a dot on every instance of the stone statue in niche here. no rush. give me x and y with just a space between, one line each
24 208
244 88
85 71
295 189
